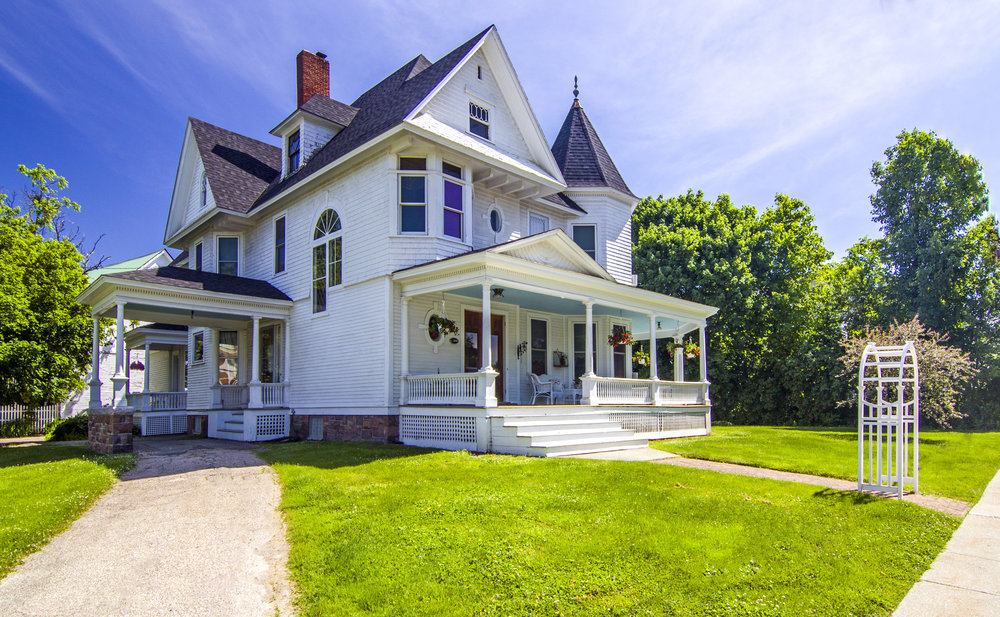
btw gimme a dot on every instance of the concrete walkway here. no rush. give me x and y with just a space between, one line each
965 578
192 530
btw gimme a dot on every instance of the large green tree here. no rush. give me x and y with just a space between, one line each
44 331
772 347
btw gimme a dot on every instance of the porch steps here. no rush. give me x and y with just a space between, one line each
564 434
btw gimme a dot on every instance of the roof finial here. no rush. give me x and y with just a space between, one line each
576 89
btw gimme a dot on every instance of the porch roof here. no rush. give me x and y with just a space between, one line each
575 280
185 297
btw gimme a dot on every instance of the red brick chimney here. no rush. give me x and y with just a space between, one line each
312 72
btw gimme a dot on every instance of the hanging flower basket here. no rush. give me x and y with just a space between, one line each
691 349
439 327
640 358
137 366
622 337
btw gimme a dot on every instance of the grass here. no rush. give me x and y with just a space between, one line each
45 488
958 465
391 530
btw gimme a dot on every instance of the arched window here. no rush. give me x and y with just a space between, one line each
327 257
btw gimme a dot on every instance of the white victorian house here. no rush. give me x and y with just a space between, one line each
419 265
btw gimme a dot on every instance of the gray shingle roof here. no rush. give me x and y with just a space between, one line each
563 200
581 156
379 109
238 167
204 281
330 109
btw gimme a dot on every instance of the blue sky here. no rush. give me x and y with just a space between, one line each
744 98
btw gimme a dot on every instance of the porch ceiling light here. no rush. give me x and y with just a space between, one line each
498 292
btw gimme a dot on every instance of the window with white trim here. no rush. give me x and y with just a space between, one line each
585 237
452 200
197 256
198 347
479 120
327 257
204 189
537 223
294 151
279 245
496 219
539 346
227 255
413 195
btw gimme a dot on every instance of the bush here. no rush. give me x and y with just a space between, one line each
18 427
67 429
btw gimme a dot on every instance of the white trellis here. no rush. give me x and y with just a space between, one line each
888 418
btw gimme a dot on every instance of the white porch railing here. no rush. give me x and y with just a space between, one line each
475 389
234 397
620 391
272 394
158 401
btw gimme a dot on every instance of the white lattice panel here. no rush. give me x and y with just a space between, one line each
178 424
157 425
270 425
437 428
653 422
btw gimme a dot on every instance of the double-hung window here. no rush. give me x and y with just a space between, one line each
586 237
479 120
327 257
413 195
279 245
452 200
227 255
294 149
539 346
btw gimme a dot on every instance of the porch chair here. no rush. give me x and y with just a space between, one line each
548 388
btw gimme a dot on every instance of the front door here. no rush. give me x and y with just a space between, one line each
473 336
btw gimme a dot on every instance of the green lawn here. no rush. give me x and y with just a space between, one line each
44 488
952 464
392 530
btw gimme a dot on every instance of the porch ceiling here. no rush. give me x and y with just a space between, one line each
533 301
185 317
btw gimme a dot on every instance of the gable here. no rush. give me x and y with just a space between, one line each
553 248
514 129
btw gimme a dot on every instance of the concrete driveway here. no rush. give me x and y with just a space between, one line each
192 530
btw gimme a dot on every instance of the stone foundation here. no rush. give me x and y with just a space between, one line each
381 429
109 433
204 425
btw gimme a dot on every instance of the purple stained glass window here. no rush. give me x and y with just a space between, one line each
453 224
453 196
453 210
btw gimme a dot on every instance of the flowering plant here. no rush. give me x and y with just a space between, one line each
640 358
622 337
439 327
691 349
137 366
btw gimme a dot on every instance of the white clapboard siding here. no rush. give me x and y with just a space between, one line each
451 106
194 207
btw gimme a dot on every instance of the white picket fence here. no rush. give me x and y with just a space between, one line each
43 415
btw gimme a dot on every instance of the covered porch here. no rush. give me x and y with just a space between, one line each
526 355
231 381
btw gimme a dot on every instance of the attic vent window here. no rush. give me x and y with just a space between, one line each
479 72
293 152
479 121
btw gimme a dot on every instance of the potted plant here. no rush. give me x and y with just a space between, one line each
691 350
621 337
439 327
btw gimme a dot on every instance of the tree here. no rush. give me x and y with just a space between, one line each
945 370
772 348
928 195
44 332
860 282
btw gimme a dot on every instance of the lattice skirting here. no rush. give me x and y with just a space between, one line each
660 422
172 424
458 429
270 425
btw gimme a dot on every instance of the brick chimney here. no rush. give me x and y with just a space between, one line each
312 72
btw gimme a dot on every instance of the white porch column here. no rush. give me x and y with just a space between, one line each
256 399
211 342
95 365
120 378
588 361
654 372
679 359
486 345
703 355
145 370
404 349
286 339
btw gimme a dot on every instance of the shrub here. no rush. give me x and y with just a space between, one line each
945 371
18 427
67 429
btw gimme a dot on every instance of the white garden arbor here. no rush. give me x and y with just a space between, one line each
888 418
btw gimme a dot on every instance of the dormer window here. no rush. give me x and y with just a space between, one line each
479 120
293 151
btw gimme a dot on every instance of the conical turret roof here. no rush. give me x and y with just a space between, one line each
582 158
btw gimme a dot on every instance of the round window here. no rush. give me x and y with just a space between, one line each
496 220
